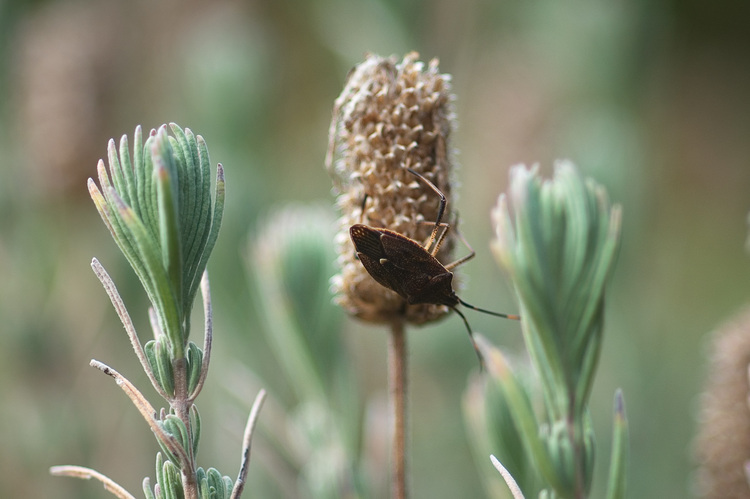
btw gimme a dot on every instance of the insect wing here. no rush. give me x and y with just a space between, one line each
371 253
422 278
367 241
408 255
403 265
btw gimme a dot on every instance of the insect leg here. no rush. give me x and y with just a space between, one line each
440 240
362 209
441 209
464 259
426 243
469 305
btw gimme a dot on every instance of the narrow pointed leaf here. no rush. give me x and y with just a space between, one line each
218 212
128 194
520 408
157 275
619 459
169 230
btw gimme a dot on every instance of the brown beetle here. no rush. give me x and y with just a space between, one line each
412 270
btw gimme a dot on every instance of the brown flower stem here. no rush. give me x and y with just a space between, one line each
397 366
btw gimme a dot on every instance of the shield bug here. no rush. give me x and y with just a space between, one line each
411 269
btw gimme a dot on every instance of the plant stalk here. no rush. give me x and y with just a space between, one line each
181 405
397 367
87 473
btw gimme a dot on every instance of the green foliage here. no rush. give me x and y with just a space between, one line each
157 354
212 485
619 460
159 210
194 360
558 241
291 261
493 430
559 255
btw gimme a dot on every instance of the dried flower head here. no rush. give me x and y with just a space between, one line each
723 442
390 116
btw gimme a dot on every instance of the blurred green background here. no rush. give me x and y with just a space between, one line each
650 98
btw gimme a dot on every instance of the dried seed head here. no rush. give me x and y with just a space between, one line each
390 116
723 443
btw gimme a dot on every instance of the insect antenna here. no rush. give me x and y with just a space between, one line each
497 314
471 337
468 327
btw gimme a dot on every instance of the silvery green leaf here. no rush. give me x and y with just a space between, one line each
618 466
159 209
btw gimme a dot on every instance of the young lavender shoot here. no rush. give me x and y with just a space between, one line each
558 241
159 208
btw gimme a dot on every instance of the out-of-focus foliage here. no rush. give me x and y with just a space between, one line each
650 98
558 241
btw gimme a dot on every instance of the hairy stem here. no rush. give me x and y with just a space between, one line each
397 366
207 334
145 408
181 405
87 474
515 490
122 312
252 419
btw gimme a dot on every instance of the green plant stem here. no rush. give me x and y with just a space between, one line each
397 366
577 440
181 405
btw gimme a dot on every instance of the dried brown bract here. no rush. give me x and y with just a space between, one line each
723 442
390 116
